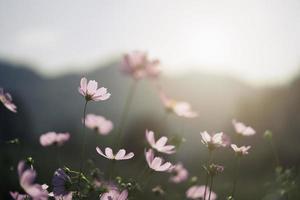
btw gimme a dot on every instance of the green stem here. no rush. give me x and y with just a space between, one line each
82 149
58 156
125 112
207 175
210 187
275 154
237 168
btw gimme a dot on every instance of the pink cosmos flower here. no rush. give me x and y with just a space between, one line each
139 66
156 163
180 108
242 129
180 173
26 178
50 138
6 99
114 194
91 91
160 144
214 141
98 123
197 192
121 155
243 150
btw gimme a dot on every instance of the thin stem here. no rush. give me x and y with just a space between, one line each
275 154
237 168
125 112
210 187
83 148
207 175
58 156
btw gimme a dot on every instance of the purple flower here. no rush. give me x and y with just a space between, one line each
98 123
26 178
197 192
61 183
160 144
6 99
180 173
51 138
139 66
91 92
121 155
156 163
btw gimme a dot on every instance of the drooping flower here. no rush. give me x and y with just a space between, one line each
160 144
91 92
139 66
156 163
114 194
212 142
98 123
61 183
121 155
242 129
214 169
27 177
240 151
6 99
180 108
51 138
180 173
197 192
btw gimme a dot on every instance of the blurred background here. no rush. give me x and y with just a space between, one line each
229 59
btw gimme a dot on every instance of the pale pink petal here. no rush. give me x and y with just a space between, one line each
92 87
161 142
156 163
109 153
165 166
123 195
150 137
120 155
128 156
100 152
205 137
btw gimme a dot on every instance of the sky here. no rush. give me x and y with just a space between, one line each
254 40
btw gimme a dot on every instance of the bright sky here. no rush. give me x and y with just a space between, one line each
256 40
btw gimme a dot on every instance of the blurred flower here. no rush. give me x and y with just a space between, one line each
156 163
114 194
91 92
180 173
214 141
139 66
214 169
197 192
18 196
180 108
61 183
243 150
160 144
242 129
27 177
158 190
50 138
98 123
6 99
121 155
